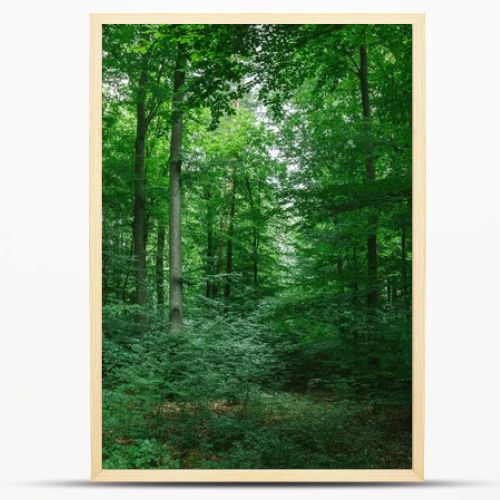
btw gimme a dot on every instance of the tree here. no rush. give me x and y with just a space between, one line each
132 55
175 243
213 53
371 242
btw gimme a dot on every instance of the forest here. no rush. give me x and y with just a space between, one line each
257 246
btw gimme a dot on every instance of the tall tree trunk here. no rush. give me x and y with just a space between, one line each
255 258
160 274
371 243
219 261
255 211
130 262
139 225
174 235
355 333
403 270
355 265
230 235
210 261
220 243
340 274
210 255
107 277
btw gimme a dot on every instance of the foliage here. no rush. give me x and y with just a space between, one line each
295 349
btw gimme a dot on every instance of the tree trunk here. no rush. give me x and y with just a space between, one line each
130 262
160 274
255 211
403 270
230 235
355 287
139 225
210 261
371 242
220 244
219 261
174 235
210 286
340 274
355 265
255 258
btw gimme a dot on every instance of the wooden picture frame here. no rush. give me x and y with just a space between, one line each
416 473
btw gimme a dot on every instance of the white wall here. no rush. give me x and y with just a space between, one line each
44 409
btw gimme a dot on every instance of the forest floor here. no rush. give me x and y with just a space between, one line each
282 430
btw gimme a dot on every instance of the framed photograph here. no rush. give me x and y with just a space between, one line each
257 247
